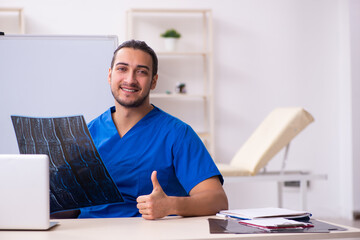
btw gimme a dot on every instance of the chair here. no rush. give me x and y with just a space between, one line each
274 133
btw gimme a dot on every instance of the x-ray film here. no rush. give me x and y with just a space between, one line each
78 177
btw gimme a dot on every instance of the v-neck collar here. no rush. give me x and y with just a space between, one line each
136 126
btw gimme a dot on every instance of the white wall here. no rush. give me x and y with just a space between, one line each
267 53
354 16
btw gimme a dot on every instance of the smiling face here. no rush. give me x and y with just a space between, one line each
131 78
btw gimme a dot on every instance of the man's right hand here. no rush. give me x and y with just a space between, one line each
155 205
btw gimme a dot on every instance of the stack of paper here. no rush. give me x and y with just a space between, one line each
254 213
275 223
269 218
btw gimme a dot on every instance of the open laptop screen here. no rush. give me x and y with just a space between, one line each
24 187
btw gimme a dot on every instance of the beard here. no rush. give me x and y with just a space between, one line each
131 104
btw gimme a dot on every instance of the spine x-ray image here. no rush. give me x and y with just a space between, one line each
78 177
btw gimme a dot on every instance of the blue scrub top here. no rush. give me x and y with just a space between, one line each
158 142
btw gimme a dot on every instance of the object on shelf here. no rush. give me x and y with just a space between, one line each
180 87
171 33
170 39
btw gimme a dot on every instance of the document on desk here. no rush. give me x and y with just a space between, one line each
253 213
275 223
78 176
233 226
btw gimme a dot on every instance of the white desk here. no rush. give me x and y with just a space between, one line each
302 177
168 228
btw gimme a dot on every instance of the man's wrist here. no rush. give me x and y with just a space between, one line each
177 205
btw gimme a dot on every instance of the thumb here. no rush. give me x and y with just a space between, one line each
155 182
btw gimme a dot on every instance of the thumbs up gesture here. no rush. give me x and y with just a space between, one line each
156 204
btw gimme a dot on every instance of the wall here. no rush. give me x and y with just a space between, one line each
266 54
355 76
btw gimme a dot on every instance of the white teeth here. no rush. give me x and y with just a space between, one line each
128 90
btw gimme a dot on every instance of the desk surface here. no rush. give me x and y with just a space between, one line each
138 228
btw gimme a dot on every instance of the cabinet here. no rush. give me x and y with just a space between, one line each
12 21
191 64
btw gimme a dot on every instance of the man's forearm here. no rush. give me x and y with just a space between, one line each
200 204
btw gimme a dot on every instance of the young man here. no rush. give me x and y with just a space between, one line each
159 164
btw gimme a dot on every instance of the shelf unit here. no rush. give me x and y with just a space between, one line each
193 59
6 24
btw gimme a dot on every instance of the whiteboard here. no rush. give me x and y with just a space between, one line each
51 76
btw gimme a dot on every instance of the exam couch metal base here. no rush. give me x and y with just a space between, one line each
302 177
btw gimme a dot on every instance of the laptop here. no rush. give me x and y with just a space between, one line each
24 190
